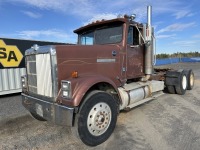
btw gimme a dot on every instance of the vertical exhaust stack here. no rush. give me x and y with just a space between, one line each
148 46
149 16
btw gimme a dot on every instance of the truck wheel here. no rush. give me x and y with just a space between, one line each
96 119
190 79
37 117
182 86
171 89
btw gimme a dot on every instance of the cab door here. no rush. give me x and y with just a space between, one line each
135 54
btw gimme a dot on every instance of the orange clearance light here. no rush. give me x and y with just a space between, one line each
74 74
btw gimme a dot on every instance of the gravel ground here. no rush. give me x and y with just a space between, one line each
170 122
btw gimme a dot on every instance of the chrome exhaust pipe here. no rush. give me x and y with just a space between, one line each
148 46
149 15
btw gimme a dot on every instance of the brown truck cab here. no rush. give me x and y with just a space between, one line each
85 86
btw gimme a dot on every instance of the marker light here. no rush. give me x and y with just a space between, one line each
74 74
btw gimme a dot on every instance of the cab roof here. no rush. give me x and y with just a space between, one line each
99 23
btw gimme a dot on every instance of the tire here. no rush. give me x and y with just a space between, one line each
37 117
96 119
190 79
171 89
182 84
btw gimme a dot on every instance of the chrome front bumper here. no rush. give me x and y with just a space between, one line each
50 111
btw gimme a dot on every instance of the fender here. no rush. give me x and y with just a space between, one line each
81 85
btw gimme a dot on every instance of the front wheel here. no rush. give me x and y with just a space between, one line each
96 119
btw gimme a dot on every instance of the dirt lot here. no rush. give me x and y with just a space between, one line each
170 122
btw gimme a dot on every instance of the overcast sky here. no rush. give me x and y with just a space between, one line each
176 22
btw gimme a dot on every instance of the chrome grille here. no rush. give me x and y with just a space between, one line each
39 74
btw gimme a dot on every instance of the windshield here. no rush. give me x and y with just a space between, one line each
106 35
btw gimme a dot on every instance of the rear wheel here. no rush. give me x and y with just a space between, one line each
171 89
182 86
96 119
190 79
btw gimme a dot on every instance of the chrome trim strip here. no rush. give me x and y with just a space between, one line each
54 72
41 50
106 60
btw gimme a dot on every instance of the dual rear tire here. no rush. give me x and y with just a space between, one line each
178 82
190 79
182 86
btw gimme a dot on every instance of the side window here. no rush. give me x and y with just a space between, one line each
130 36
87 39
133 36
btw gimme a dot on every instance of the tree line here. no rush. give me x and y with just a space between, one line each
178 55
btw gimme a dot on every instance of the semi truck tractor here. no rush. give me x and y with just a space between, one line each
85 86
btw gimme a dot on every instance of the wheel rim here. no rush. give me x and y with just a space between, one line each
184 82
191 80
99 119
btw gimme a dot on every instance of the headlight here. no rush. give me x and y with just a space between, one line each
66 89
65 94
65 85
